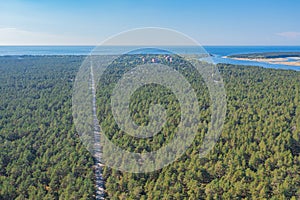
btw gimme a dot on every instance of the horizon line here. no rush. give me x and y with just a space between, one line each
91 45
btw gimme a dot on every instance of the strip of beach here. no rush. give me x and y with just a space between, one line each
292 58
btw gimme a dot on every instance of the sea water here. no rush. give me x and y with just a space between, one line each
217 52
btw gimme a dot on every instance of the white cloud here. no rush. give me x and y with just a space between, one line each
14 36
290 35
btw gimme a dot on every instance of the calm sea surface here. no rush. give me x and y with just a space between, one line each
217 51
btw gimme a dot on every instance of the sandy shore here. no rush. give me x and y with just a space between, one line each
281 61
295 63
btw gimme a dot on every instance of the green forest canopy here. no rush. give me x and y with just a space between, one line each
41 157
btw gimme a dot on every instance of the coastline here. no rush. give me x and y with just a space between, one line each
281 61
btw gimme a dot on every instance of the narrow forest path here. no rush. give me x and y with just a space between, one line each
100 189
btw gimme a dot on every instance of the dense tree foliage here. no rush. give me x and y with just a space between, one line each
41 157
256 157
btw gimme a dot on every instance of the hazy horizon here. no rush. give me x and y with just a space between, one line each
88 23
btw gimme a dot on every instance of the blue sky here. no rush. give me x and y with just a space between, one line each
210 22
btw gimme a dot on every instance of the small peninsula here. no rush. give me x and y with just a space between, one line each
282 58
